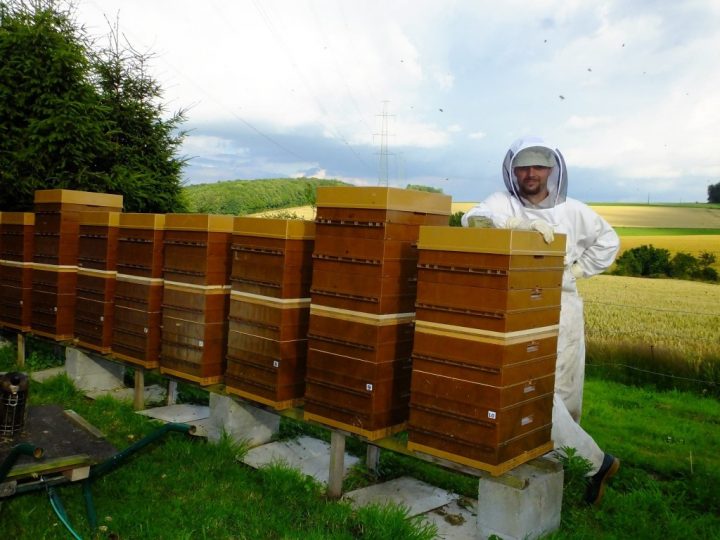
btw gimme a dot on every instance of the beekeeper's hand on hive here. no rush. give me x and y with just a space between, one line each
539 225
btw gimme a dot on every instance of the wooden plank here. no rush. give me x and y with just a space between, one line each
368 435
494 470
277 405
202 381
49 466
87 426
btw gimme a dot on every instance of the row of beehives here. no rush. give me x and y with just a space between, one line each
374 314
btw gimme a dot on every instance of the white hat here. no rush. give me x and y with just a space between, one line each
535 155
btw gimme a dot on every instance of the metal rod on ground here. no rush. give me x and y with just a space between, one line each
139 396
337 464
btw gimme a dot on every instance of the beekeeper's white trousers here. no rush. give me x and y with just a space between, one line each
569 380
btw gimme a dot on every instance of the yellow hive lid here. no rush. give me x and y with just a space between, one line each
142 221
293 229
101 219
408 200
493 241
199 222
18 218
71 196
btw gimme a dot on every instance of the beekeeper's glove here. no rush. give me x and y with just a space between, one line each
577 270
543 227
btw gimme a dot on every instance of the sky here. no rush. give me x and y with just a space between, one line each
433 92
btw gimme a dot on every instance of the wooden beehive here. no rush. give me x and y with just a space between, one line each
137 314
363 295
197 249
196 274
55 256
95 289
485 345
16 242
269 310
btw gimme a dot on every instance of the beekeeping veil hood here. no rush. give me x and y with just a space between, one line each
557 182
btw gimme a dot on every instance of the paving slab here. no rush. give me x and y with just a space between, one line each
45 374
455 521
184 413
418 497
310 456
153 394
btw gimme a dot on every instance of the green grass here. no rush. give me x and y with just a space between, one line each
183 487
657 231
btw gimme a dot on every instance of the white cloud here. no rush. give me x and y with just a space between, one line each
587 122
645 109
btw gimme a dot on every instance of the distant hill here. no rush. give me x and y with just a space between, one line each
240 197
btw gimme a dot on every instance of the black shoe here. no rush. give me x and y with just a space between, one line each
596 485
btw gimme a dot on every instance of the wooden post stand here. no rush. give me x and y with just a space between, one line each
372 459
172 392
21 350
139 397
337 464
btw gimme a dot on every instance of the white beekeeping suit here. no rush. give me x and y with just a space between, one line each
591 248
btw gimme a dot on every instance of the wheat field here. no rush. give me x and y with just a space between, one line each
681 316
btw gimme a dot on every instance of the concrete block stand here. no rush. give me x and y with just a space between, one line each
525 503
242 421
92 373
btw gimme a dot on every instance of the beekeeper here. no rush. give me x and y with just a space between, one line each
536 180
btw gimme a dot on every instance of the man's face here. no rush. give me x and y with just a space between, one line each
533 180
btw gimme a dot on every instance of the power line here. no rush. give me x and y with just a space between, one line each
383 164
635 368
268 21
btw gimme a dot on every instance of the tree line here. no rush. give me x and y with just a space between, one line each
649 261
77 116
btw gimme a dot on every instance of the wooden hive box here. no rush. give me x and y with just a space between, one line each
374 338
365 247
57 216
16 244
53 301
194 332
136 336
458 288
140 245
197 249
93 325
267 348
272 257
484 358
358 370
98 242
